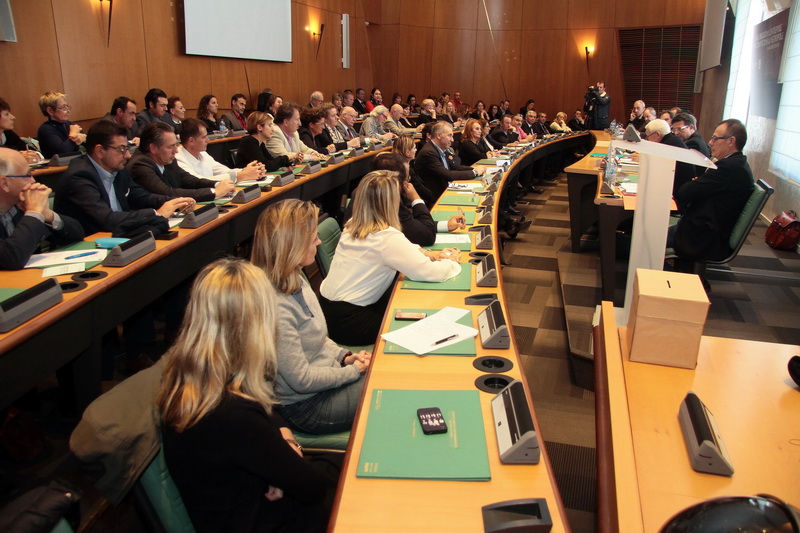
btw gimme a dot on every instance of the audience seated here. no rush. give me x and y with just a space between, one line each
503 134
684 125
331 135
312 124
712 203
517 121
559 125
435 165
9 139
397 99
275 101
316 100
359 103
58 135
528 125
449 115
236 466
347 118
262 104
123 112
337 101
286 140
252 148
175 114
154 168
493 111
577 122
457 99
392 123
666 115
347 99
193 158
155 102
411 100
503 109
541 128
530 105
427 112
658 131
318 383
371 251
480 111
25 215
372 126
98 192
235 119
375 100
637 118
404 121
407 147
207 112
648 115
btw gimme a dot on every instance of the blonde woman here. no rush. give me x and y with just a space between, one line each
234 465
253 147
560 123
58 134
449 114
405 146
371 251
318 383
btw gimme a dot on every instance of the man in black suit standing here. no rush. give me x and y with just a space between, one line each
154 168
597 106
25 215
434 163
713 202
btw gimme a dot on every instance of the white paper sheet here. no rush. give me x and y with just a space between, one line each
421 337
60 258
49 272
453 238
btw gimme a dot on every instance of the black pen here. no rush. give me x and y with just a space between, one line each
440 341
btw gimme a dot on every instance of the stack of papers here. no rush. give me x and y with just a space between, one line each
426 336
395 447
464 186
462 241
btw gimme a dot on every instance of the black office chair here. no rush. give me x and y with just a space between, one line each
233 153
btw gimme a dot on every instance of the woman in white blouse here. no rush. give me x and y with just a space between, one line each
560 123
371 251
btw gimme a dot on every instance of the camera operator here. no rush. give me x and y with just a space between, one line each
597 106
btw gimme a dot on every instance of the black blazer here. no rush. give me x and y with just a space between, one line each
174 182
14 142
470 152
574 125
712 203
540 129
15 250
82 196
325 139
251 150
501 137
528 128
434 175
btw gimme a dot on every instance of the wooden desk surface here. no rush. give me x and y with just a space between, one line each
367 504
745 385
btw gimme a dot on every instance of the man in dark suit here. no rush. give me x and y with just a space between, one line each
529 122
713 202
155 102
97 190
154 168
25 215
541 128
359 104
504 133
658 131
435 165
684 125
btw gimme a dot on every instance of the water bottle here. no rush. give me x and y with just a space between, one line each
223 129
613 127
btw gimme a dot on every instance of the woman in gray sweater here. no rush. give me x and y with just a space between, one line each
318 383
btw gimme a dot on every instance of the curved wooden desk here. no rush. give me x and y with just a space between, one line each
368 504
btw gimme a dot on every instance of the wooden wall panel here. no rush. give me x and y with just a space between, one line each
416 13
603 65
503 16
457 14
453 62
30 66
591 14
390 13
384 58
489 84
414 73
545 15
543 78
634 14
682 12
360 56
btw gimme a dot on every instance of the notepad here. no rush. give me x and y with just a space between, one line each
461 282
464 348
395 447
462 241
460 199
440 216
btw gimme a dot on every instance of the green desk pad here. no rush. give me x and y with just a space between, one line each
460 199
296 170
218 201
461 282
597 154
5 294
490 161
80 245
464 348
394 446
440 216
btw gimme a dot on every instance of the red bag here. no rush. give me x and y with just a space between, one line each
784 231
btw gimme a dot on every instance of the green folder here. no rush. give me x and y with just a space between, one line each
218 201
459 283
395 447
490 161
80 245
597 154
464 348
5 294
463 246
440 216
460 199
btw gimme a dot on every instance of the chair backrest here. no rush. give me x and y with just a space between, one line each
329 233
233 153
157 492
756 202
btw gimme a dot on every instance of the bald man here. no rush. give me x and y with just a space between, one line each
392 124
25 215
637 118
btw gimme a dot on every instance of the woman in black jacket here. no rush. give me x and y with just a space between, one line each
252 147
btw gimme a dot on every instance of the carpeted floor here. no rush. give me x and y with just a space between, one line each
552 296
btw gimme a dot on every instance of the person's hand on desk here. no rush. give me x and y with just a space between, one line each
457 222
388 135
359 360
170 207
354 142
224 188
454 254
331 148
479 170
296 157
253 171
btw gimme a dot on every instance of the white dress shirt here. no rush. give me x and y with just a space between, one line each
363 269
205 166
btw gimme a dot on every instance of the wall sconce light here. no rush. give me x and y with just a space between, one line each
110 8
589 50
319 42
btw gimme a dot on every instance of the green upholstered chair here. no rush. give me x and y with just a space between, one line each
329 233
62 527
158 500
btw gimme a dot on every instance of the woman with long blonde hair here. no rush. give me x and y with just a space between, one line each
234 465
318 383
371 251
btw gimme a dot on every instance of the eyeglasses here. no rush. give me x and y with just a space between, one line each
715 138
647 135
676 129
64 108
120 149
23 176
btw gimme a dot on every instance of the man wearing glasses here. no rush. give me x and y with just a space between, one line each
97 190
25 215
713 201
684 126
